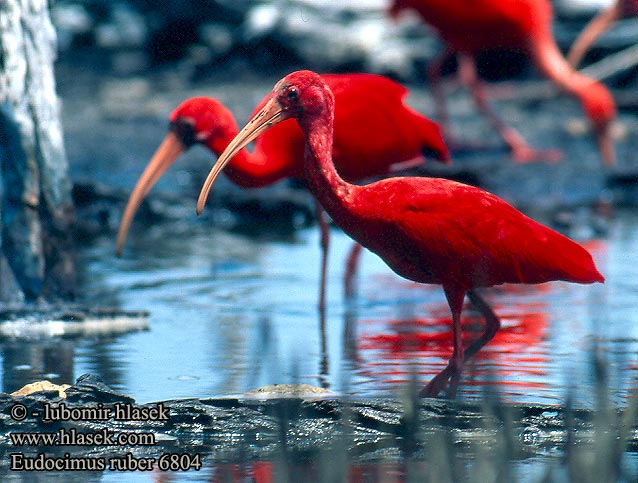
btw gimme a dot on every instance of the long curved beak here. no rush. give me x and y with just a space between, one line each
271 114
164 156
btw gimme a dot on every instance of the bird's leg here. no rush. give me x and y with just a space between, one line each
455 378
452 371
492 324
325 244
350 333
323 362
522 152
433 73
352 263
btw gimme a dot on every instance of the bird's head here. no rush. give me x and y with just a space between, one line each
302 95
627 8
396 7
196 120
600 108
202 120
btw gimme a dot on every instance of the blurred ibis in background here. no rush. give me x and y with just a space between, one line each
468 28
598 25
374 131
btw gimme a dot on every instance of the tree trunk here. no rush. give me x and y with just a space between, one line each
37 213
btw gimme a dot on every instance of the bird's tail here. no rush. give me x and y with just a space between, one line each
431 135
574 261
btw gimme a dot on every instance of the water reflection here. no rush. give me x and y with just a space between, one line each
56 360
542 348
389 351
230 313
106 359
26 362
268 472
253 472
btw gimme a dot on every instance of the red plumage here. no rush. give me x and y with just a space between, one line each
470 27
477 25
374 131
605 19
454 234
426 229
393 133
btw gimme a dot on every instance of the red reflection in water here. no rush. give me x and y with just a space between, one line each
514 357
388 471
252 472
435 335
265 472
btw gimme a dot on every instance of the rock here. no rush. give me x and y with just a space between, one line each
41 386
303 391
91 388
29 323
231 429
324 36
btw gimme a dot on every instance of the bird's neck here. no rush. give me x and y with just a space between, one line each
246 169
551 62
322 179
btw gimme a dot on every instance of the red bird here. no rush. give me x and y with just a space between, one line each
428 230
374 130
470 27
598 25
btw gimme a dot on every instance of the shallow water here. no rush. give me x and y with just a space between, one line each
229 313
232 312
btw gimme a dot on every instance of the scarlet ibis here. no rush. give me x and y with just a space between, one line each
391 133
428 230
598 25
468 28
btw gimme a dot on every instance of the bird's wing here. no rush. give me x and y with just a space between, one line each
366 84
473 238
374 129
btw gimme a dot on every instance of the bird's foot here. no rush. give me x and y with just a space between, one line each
464 148
444 381
526 154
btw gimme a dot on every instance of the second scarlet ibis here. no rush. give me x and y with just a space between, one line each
428 230
374 130
468 28
598 25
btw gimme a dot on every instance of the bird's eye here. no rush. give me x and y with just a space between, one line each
184 129
292 94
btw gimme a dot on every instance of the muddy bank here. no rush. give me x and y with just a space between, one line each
301 428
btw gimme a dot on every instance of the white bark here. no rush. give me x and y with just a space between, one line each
37 211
